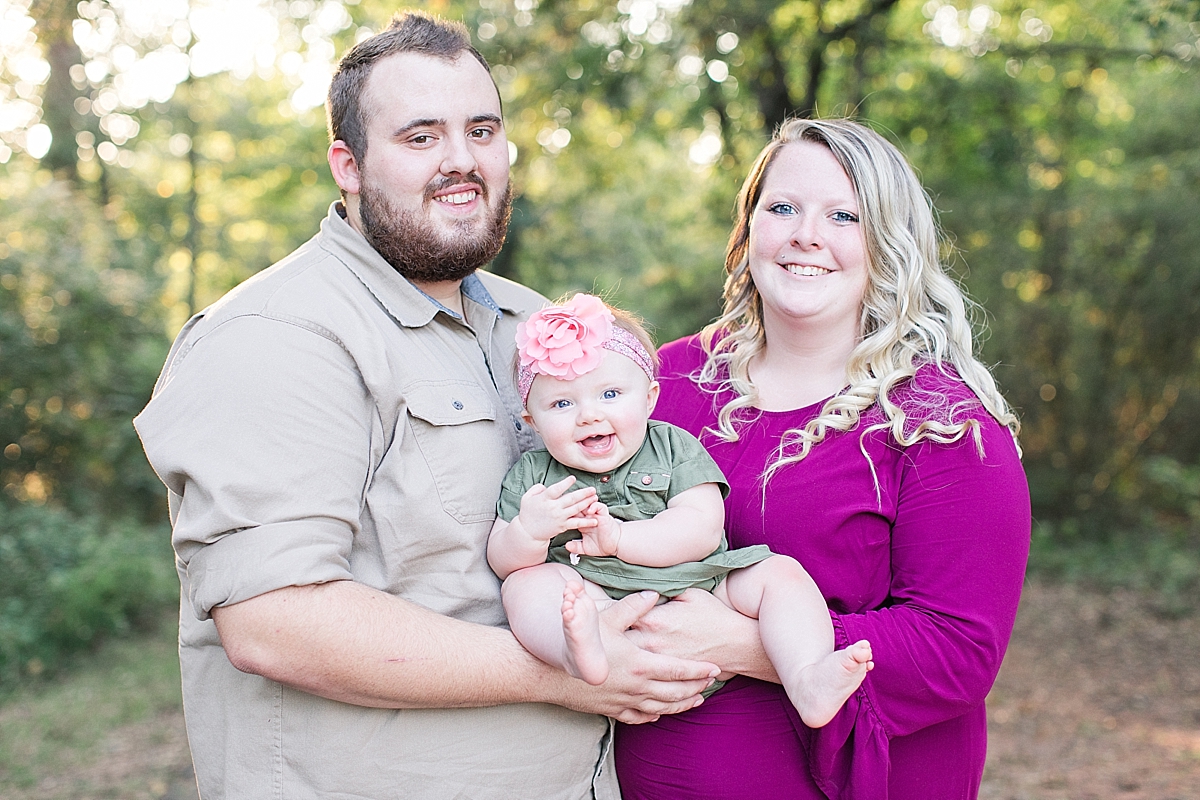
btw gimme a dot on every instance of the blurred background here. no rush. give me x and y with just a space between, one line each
154 153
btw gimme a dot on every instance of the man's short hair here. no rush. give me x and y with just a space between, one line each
408 32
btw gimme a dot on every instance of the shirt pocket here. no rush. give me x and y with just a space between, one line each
454 426
648 489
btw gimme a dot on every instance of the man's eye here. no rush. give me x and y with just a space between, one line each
481 133
421 138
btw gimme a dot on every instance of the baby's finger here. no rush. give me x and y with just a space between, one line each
584 495
556 490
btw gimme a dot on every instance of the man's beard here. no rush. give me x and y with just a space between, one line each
417 250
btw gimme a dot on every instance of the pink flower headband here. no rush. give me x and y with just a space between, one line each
565 342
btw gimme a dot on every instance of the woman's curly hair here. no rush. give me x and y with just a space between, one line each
913 314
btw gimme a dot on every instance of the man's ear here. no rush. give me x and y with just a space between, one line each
344 167
652 397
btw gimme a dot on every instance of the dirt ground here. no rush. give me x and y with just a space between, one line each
1097 699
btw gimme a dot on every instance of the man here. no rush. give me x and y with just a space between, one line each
333 434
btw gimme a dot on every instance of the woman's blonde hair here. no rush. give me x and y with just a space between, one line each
912 313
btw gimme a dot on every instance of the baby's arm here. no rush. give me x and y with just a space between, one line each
688 530
546 511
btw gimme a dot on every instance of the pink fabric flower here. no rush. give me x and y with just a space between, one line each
565 341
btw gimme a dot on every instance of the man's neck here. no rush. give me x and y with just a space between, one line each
448 293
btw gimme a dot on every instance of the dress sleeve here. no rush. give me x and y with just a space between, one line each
263 433
959 547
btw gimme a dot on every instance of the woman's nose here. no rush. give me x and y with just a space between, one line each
806 235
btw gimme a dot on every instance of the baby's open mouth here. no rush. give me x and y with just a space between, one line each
596 442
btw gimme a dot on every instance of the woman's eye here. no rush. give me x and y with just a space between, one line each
781 208
844 216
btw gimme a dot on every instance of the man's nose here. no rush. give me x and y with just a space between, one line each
458 158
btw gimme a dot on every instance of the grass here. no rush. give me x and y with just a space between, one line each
118 704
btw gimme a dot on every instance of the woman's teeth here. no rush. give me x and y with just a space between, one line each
808 271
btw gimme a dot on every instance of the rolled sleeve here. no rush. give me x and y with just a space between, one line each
264 432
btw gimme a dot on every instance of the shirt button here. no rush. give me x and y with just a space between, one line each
458 406
517 424
647 480
604 478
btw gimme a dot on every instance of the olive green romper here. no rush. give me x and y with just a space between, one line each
669 461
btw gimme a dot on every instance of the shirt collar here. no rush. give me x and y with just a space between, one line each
410 306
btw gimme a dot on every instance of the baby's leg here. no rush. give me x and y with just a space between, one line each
554 615
797 634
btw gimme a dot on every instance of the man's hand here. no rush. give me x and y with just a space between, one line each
603 538
641 686
547 511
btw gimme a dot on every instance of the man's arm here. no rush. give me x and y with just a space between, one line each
348 642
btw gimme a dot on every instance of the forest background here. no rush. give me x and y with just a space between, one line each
154 153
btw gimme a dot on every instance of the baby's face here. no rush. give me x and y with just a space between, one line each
597 422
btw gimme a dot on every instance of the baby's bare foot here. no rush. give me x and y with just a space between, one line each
820 689
583 651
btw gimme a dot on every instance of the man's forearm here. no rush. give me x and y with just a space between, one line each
348 642
351 643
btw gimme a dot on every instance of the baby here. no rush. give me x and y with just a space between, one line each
650 515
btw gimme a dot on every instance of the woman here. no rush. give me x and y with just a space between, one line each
839 394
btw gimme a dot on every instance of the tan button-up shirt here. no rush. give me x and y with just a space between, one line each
328 421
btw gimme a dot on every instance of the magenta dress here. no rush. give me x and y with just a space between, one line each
928 569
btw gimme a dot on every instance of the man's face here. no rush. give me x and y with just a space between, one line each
433 193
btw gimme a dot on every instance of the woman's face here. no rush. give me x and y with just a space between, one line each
807 255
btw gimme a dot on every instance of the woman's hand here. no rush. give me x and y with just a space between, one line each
698 626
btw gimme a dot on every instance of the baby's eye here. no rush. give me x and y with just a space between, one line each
561 404
610 394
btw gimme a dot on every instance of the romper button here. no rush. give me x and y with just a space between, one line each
647 480
458 406
604 478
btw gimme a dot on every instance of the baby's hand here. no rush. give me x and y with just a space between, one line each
602 538
547 511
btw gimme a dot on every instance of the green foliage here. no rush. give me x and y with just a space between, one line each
81 344
1162 567
1056 138
68 583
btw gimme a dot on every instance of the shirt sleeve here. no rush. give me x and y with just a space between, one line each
516 483
690 463
263 432
959 547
